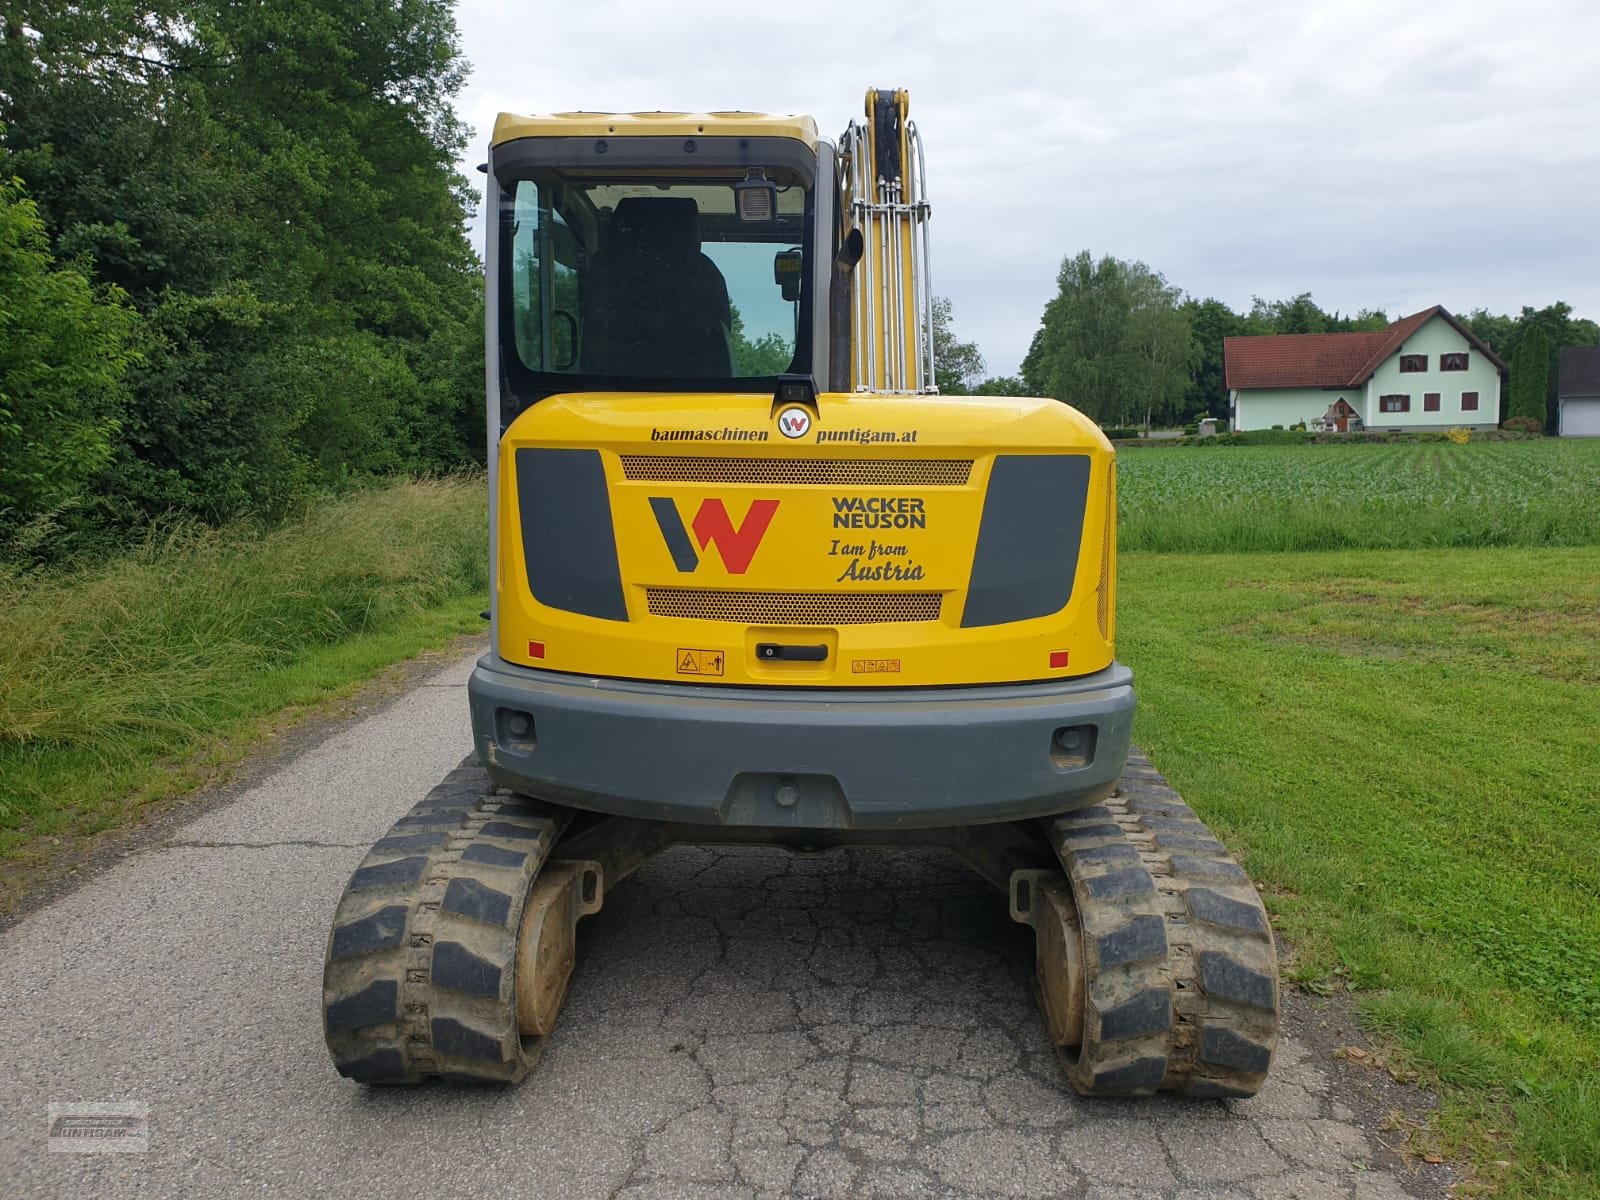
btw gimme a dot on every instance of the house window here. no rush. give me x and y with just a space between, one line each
1413 362
1469 401
1430 401
1452 362
1394 403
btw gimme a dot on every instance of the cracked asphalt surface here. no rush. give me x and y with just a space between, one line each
743 1022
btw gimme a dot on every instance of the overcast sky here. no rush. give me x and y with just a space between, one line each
1374 154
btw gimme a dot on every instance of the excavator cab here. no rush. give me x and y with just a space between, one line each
620 274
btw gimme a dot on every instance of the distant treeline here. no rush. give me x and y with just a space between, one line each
1127 347
233 267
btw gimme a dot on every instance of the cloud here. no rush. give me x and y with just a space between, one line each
1373 155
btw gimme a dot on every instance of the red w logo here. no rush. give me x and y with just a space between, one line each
737 544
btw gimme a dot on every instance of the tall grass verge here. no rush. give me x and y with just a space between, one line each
105 670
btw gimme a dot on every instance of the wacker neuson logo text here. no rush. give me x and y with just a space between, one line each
879 512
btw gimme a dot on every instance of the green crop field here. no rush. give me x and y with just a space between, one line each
1225 498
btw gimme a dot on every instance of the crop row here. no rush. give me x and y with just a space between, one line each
1544 492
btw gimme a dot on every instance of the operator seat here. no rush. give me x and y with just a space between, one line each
655 305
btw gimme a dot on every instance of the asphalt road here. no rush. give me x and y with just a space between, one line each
742 1023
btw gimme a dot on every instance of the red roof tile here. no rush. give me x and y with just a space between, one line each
1330 360
1298 359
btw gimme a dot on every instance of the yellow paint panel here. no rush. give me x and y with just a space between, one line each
829 564
510 126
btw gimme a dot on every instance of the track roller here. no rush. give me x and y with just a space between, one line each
1154 959
1044 900
453 942
546 944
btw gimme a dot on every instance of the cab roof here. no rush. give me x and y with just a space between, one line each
510 126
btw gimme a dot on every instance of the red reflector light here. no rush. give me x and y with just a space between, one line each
1058 658
535 649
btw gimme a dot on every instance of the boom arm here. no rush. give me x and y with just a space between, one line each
883 189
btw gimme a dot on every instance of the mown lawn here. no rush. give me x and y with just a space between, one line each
1220 498
1405 749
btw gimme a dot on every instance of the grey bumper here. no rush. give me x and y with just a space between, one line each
803 758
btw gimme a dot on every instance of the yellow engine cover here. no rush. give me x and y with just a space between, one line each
873 541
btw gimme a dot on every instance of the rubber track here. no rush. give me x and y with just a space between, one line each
1183 975
418 979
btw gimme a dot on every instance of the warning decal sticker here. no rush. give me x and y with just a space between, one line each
875 666
700 662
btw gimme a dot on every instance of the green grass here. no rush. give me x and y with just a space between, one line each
1234 499
124 683
1403 747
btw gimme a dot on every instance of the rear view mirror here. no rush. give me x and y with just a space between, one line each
787 266
564 333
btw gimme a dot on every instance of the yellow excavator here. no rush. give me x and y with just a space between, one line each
755 580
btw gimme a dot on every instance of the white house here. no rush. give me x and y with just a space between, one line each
1578 392
1425 371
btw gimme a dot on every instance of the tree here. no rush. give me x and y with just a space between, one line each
769 354
1002 385
1210 321
1560 329
1368 320
1494 331
63 351
956 364
1504 336
1299 314
1530 376
273 186
1113 342
1302 314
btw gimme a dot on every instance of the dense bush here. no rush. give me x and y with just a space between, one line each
272 188
1276 436
63 350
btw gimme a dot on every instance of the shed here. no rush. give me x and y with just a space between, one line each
1578 392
